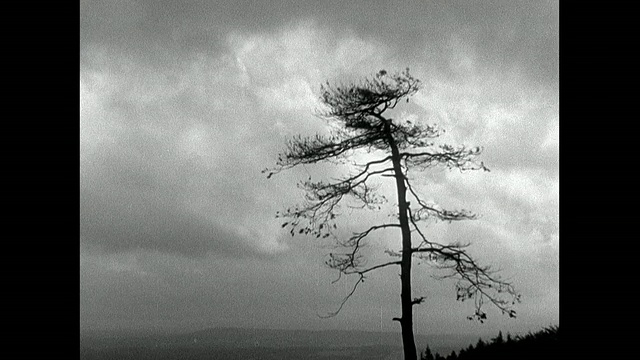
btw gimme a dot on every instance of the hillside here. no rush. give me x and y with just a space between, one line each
543 344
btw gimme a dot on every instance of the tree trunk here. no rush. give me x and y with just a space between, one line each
406 321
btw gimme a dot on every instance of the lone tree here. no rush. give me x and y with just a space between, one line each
360 122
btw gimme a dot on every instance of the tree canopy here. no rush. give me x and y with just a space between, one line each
359 122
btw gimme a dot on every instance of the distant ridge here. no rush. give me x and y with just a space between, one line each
333 337
229 338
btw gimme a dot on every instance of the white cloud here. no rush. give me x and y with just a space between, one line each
294 94
197 142
285 68
92 88
552 140
462 59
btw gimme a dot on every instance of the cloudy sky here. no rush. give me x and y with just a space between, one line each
183 103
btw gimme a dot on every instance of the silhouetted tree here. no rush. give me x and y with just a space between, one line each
358 116
428 355
499 339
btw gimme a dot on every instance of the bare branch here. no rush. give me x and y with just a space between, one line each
355 286
418 300
323 198
348 263
474 281
425 210
310 150
460 158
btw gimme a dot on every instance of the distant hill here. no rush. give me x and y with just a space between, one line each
235 343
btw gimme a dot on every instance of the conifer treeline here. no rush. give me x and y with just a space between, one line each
538 345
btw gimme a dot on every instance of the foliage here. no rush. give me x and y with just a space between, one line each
543 344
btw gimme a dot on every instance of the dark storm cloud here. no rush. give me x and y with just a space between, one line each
146 171
140 222
505 34
134 202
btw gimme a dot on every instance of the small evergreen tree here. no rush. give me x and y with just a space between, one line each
428 355
538 345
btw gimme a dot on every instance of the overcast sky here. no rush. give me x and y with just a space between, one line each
183 103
